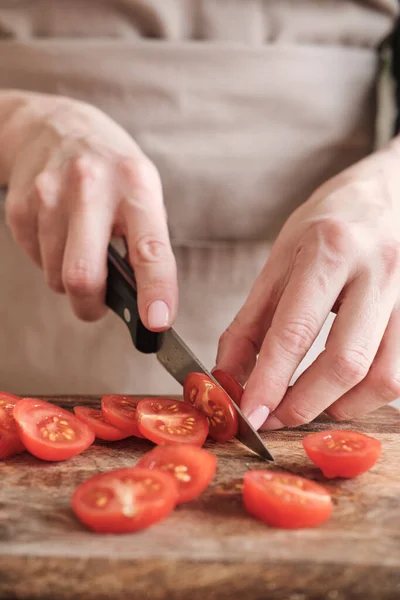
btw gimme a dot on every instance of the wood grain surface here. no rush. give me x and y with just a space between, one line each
210 548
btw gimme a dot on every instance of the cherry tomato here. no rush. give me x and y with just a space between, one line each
10 442
50 432
124 500
101 429
165 421
286 501
120 411
205 395
230 385
342 453
193 468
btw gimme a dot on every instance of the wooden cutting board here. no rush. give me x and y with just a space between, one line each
209 549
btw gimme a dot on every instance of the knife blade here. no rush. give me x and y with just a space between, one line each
171 351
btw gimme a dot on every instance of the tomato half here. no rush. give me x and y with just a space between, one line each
192 467
205 395
124 500
166 421
342 453
230 385
101 429
10 442
120 411
286 501
50 432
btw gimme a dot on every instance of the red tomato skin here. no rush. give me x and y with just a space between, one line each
117 522
341 463
264 503
200 391
115 416
146 422
230 385
202 466
101 429
10 442
24 414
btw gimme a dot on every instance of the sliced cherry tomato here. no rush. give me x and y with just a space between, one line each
166 421
125 500
205 395
101 429
342 453
10 442
230 385
50 432
120 411
284 500
193 468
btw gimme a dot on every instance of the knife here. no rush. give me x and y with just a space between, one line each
171 351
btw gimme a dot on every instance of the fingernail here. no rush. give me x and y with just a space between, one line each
258 416
158 315
273 423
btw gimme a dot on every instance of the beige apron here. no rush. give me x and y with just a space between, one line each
245 106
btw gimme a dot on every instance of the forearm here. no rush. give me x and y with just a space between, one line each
19 114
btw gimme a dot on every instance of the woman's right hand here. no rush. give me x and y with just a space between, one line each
77 179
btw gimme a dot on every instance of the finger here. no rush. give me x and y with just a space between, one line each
52 228
240 343
382 384
150 251
90 219
350 349
313 288
21 217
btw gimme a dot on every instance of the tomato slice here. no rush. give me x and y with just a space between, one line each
120 411
342 453
10 442
124 500
50 432
101 429
230 385
205 395
285 501
166 421
192 467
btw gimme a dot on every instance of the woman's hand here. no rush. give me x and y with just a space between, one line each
76 179
340 252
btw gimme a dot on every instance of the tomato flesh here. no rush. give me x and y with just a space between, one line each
120 411
342 453
50 432
193 468
10 442
95 420
230 385
166 421
209 398
124 500
286 501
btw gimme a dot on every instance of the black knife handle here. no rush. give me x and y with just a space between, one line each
121 297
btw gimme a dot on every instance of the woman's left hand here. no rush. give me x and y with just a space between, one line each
340 252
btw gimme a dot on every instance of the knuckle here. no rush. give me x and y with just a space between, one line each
386 382
80 280
296 337
349 367
150 249
337 413
85 169
334 239
390 258
300 414
140 172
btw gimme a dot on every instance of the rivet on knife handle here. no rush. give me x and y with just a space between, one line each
121 297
